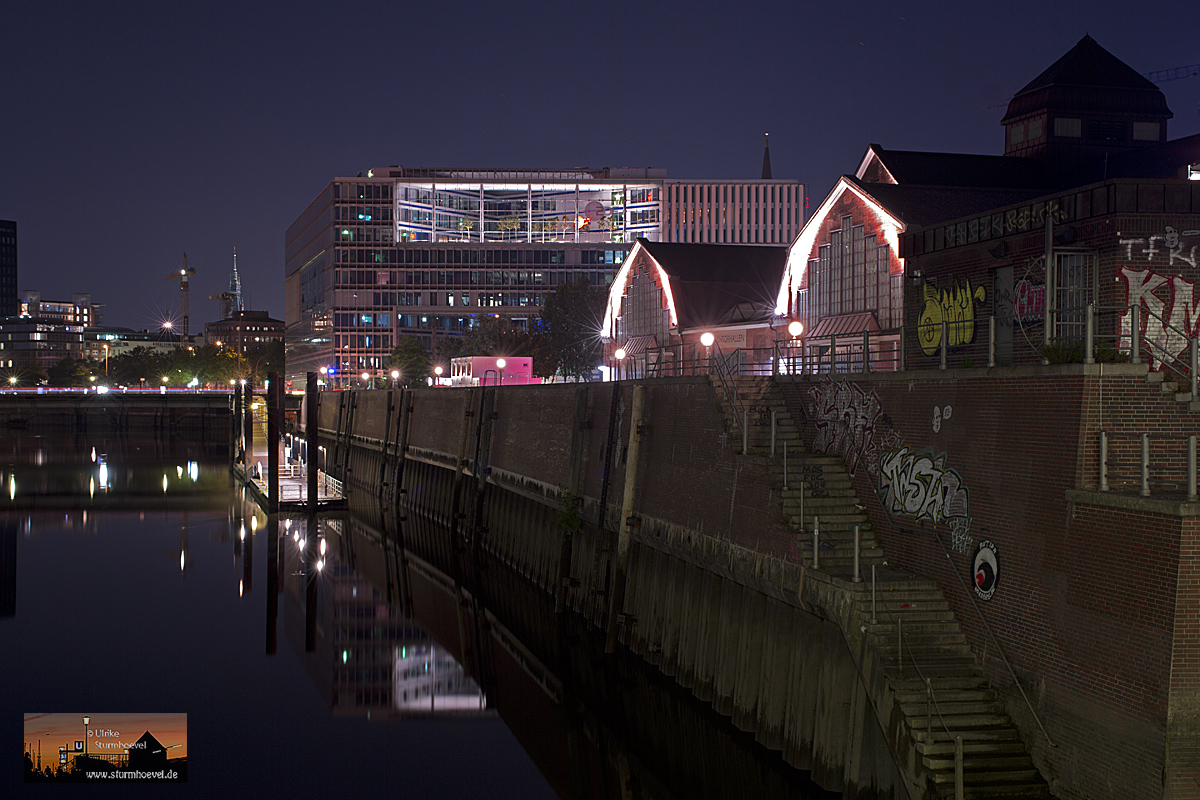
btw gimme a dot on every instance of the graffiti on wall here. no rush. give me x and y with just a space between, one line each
1169 243
940 414
954 306
1171 302
1029 300
920 485
846 418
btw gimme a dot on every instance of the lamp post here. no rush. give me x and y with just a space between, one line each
86 720
500 365
106 360
795 328
437 372
620 356
366 377
395 377
707 340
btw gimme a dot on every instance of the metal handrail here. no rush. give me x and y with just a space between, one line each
729 388
999 649
930 696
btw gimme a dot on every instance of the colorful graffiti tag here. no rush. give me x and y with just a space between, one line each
955 307
845 417
921 485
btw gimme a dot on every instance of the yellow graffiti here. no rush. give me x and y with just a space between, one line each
955 307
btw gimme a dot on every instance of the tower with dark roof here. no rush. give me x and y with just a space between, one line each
1085 106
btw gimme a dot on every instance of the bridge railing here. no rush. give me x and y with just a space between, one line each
1149 464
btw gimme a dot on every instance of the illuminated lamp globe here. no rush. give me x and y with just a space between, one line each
437 371
707 339
501 363
366 376
795 328
620 354
395 374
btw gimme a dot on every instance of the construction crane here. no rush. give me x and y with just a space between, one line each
182 275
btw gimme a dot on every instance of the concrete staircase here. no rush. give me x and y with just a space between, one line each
936 655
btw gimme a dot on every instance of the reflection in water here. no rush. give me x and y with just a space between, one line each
363 654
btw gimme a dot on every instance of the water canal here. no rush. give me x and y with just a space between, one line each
330 656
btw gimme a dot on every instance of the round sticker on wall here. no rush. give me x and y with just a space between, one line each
987 570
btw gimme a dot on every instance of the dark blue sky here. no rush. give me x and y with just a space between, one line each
131 133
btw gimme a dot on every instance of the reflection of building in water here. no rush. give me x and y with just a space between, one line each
368 657
8 568
427 678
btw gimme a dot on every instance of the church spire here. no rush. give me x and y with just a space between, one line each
235 286
766 175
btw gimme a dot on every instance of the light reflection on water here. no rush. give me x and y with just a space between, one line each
140 581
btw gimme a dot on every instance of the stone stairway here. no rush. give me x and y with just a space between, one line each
1182 395
936 654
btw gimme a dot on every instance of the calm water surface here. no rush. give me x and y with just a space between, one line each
119 596
135 578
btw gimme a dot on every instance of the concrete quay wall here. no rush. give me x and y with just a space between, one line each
535 476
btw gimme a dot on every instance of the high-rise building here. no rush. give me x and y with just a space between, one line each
8 268
421 251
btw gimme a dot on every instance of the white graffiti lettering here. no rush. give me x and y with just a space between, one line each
845 417
921 486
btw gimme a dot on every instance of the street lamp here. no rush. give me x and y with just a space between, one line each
438 372
707 340
366 377
395 377
86 720
500 365
795 328
106 360
620 356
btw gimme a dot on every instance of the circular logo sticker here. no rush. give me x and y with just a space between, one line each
987 570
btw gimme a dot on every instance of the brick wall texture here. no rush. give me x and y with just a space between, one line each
1096 607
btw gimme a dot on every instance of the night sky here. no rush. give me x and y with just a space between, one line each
131 133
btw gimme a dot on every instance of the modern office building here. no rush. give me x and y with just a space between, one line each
419 251
8 268
45 331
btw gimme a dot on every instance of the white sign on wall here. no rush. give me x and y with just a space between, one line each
731 340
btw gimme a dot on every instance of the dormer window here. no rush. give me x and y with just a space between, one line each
1016 133
1145 131
1035 129
1068 126
1103 131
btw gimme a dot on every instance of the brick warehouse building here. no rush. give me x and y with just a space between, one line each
1097 604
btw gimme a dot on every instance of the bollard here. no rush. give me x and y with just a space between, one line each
1089 335
945 343
1192 469
785 469
857 577
832 354
1195 346
866 364
873 620
992 340
772 433
745 431
1103 461
1135 333
1145 490
929 709
958 768
816 543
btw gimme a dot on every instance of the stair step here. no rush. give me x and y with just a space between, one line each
912 683
1023 776
1024 791
998 746
962 724
952 709
917 628
999 762
942 696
